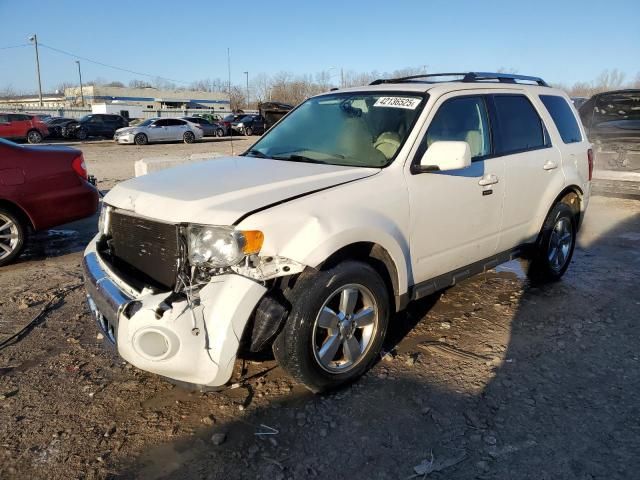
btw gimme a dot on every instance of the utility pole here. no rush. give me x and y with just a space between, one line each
247 74
229 72
34 39
80 75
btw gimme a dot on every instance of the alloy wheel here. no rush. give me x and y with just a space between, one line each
560 243
344 328
9 236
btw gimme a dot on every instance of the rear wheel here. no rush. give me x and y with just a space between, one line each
34 136
189 137
555 245
336 326
141 139
12 236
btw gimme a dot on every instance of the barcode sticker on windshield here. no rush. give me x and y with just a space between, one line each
398 102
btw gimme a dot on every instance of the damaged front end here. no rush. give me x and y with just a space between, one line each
176 298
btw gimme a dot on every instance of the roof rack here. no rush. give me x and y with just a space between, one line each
467 77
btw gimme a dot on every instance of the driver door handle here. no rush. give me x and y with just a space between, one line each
550 165
488 179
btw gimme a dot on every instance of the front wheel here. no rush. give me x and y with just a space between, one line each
82 134
336 326
555 245
189 137
219 133
141 139
248 131
12 236
34 136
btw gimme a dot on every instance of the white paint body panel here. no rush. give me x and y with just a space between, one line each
208 358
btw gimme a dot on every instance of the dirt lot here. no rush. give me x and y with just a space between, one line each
494 378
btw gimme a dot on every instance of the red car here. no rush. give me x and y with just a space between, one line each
40 187
22 126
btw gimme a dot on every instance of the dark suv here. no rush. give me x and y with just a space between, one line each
97 125
250 125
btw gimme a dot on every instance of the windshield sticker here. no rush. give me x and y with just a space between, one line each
398 102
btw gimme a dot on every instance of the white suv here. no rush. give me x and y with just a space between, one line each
357 202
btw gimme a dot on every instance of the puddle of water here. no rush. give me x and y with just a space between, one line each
515 267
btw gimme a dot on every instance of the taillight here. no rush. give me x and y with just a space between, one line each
79 166
590 159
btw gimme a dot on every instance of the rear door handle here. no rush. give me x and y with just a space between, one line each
550 165
489 179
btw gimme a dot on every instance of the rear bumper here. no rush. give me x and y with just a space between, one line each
196 344
54 207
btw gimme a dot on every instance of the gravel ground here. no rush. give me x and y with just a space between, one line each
494 378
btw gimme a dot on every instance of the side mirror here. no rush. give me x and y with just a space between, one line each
442 156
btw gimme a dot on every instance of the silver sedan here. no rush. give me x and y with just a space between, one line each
160 130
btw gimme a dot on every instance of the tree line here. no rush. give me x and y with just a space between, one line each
290 88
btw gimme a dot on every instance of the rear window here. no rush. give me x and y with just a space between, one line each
563 117
520 126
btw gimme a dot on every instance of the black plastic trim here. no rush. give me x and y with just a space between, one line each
446 280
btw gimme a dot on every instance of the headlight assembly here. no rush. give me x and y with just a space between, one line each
217 247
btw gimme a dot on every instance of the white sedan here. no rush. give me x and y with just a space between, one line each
160 130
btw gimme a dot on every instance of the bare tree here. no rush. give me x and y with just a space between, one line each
114 84
139 84
238 98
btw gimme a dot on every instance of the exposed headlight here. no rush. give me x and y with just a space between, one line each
240 125
221 246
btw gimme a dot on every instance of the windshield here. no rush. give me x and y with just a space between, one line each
355 129
248 118
147 122
86 118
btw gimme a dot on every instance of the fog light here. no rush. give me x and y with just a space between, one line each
155 344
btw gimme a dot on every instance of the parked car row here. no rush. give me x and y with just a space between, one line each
34 128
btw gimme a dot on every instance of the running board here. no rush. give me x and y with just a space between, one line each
441 282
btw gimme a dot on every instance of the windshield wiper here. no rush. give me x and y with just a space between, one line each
256 153
298 158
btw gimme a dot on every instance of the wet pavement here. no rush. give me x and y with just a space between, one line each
494 378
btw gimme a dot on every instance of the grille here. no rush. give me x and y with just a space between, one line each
151 248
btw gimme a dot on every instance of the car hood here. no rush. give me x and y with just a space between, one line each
130 130
220 191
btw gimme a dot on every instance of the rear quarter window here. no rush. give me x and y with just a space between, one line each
563 117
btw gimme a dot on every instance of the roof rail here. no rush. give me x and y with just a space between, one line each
467 77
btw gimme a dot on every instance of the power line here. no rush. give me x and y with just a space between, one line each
15 46
110 66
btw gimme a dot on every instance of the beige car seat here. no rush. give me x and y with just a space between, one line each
387 143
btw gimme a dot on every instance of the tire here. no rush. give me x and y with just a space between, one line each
82 134
556 242
140 139
34 136
219 133
248 131
189 137
13 235
316 346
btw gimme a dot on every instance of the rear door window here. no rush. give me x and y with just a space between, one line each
563 117
519 126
